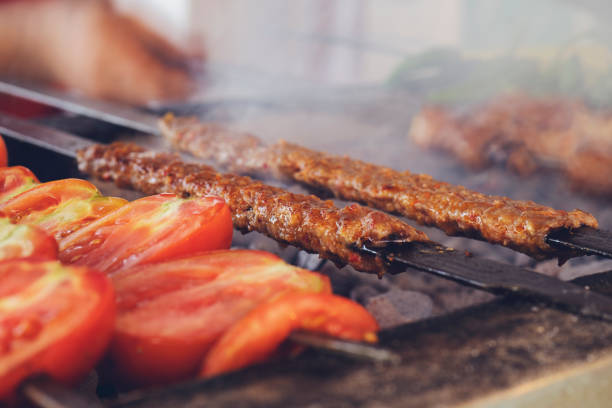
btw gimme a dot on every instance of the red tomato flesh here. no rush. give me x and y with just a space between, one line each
60 207
256 337
169 314
150 229
25 241
3 153
15 180
54 319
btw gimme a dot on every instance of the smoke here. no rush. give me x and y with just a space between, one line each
346 77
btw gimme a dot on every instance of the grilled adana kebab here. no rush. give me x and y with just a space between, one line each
520 225
304 221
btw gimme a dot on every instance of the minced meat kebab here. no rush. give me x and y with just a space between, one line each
521 225
304 221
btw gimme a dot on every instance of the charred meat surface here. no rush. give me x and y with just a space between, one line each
525 134
521 225
300 220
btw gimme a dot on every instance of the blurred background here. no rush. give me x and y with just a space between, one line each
450 50
447 49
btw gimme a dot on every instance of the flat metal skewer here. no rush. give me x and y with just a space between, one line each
587 240
498 278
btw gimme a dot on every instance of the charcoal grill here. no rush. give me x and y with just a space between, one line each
503 352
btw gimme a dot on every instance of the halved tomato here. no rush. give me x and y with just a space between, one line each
169 314
60 207
54 319
257 336
150 229
15 180
25 241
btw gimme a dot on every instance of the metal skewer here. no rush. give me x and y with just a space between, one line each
498 278
588 240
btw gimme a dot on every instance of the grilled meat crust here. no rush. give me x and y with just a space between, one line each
521 225
304 221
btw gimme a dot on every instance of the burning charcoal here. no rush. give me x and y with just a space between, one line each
446 295
344 280
399 307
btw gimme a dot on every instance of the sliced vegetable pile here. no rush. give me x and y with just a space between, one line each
182 303
220 311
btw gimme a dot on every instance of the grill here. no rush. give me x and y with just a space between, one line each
458 346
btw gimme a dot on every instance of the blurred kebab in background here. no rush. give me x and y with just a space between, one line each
527 134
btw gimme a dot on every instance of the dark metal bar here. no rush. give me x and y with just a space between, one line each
498 278
585 239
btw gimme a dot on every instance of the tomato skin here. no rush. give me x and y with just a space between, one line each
15 180
25 241
256 337
171 313
150 229
60 207
68 314
3 153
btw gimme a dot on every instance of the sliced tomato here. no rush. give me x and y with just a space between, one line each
60 207
170 313
257 336
150 229
54 319
15 180
3 153
25 241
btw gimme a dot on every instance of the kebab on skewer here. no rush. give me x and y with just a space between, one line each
521 225
526 134
307 222
370 241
